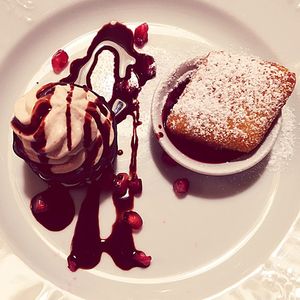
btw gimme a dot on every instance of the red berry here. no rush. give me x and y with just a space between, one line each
39 205
141 35
142 258
59 61
72 264
135 186
133 219
120 184
181 186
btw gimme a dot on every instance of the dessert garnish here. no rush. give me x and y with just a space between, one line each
181 186
59 61
133 219
67 134
226 106
141 35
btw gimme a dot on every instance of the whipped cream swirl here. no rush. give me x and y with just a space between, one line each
63 127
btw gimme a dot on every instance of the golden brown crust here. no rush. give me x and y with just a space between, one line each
233 102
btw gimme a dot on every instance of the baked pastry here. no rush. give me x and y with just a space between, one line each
65 132
231 101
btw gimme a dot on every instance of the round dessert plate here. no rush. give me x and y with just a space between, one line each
227 168
204 243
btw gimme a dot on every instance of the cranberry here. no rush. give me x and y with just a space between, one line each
120 184
39 205
59 61
141 35
181 186
133 219
135 186
142 258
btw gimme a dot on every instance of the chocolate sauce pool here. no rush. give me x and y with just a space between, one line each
54 208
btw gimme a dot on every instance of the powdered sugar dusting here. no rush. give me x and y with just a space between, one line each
283 150
232 100
103 76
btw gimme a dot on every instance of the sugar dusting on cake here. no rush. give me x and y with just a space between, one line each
232 98
283 149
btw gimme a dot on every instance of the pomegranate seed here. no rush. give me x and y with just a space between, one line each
135 186
72 264
141 35
120 184
39 205
59 61
142 258
181 186
133 219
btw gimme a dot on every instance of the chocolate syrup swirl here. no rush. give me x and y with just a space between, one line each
68 118
87 244
39 113
143 68
37 124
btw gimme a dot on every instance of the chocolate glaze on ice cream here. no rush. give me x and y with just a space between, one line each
66 133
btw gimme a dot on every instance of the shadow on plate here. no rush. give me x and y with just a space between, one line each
205 186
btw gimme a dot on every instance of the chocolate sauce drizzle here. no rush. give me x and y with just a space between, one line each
53 208
68 118
143 67
87 244
36 126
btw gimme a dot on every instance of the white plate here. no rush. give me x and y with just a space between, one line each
225 229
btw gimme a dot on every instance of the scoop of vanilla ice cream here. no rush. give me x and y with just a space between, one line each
74 125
